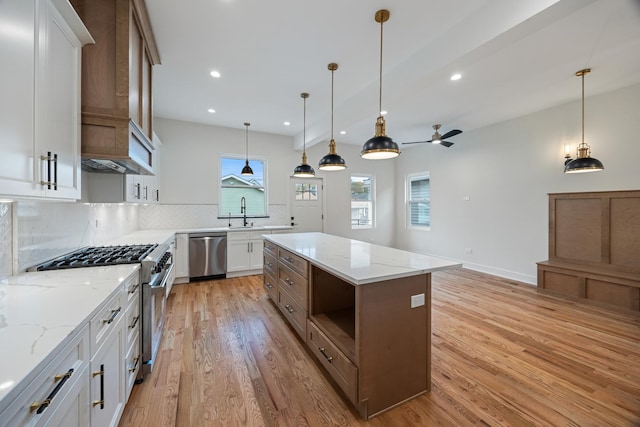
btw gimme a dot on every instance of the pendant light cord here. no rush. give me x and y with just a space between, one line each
332 71
304 125
246 125
380 93
583 108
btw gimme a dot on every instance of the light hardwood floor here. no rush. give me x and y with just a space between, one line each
503 355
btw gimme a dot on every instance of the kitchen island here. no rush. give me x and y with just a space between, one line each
363 310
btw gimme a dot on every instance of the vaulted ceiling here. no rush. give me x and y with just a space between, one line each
515 58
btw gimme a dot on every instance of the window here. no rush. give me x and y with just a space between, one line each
362 196
419 200
307 192
234 186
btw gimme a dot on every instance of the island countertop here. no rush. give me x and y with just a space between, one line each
358 262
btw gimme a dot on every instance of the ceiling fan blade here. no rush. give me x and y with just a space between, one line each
416 142
446 143
451 133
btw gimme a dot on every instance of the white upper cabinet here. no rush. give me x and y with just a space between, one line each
40 106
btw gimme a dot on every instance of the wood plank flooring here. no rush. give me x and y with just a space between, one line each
503 355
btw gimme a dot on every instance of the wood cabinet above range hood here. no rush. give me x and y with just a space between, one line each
117 102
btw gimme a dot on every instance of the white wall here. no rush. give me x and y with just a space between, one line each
190 163
507 170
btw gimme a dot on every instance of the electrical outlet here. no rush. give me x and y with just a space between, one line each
417 300
466 198
468 251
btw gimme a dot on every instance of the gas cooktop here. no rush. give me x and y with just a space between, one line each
98 256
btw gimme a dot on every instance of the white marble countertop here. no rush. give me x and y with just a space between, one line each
358 262
39 311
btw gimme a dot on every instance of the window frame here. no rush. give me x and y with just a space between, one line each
410 178
372 178
264 187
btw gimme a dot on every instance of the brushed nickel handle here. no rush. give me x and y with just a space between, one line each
137 195
268 285
289 309
289 281
329 358
146 192
114 313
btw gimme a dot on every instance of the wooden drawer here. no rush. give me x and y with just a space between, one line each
336 363
294 262
132 366
107 320
270 285
296 285
271 248
296 315
132 320
270 263
65 374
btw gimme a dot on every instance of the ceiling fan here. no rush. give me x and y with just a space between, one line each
436 138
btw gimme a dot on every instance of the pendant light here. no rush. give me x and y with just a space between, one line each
332 161
303 170
584 162
246 170
380 146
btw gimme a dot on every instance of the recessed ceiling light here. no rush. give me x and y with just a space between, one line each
383 112
287 123
343 132
456 76
215 74
211 110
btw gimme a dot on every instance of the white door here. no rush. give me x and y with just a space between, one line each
306 204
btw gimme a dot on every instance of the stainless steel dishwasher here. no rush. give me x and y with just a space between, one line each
207 255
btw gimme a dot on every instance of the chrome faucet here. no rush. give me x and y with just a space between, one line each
243 210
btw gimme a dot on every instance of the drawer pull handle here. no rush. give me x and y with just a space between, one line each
41 406
288 259
269 264
133 289
329 358
289 309
289 281
94 374
114 313
268 285
135 364
135 322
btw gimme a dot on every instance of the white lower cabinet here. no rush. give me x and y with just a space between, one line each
59 395
244 252
107 385
182 258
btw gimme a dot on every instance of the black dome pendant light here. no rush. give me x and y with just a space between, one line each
332 161
584 162
303 170
246 170
380 146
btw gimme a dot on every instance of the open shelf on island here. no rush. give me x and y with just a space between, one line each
332 309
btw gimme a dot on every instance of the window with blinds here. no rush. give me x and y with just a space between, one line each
419 200
362 199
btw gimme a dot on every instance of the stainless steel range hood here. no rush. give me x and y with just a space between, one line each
121 149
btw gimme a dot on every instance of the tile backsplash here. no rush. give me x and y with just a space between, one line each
45 230
49 229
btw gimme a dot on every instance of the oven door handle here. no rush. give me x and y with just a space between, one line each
163 284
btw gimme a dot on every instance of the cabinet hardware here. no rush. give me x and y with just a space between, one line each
133 288
269 264
44 404
289 309
329 358
251 247
49 158
146 192
157 195
268 285
114 313
248 250
135 321
137 195
101 401
288 259
289 282
135 364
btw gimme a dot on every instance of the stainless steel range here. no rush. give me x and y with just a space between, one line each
156 266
